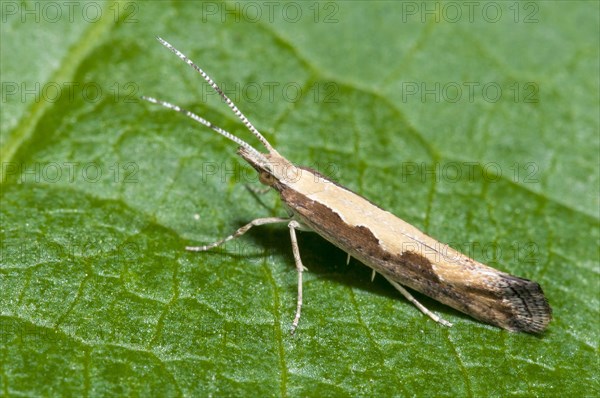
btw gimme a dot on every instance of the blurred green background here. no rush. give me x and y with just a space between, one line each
477 122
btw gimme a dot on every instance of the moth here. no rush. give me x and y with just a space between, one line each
400 252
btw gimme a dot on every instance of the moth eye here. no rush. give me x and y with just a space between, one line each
266 178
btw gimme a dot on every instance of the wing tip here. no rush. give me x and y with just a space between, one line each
530 308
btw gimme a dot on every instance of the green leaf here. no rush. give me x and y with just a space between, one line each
479 128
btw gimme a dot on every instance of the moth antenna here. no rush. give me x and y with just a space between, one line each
208 124
214 85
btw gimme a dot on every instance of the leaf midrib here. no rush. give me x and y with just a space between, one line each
66 71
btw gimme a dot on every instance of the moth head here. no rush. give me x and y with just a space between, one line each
272 168
266 178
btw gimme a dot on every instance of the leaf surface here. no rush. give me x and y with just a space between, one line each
479 128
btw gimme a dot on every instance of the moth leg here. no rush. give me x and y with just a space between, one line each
258 191
420 306
293 225
238 233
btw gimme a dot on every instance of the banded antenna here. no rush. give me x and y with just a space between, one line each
207 123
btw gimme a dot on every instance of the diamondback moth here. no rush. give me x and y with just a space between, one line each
400 252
